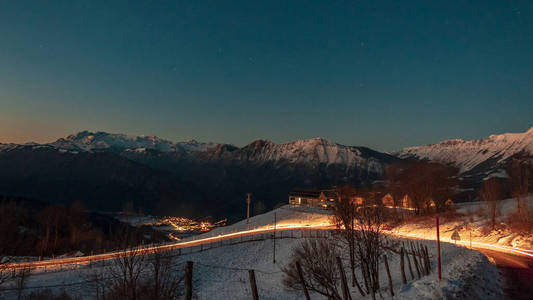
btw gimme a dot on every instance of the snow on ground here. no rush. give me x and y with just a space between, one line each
285 216
470 223
467 274
221 271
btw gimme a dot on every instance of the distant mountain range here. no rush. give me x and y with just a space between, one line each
197 179
468 155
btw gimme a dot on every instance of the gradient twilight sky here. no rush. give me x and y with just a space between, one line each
384 74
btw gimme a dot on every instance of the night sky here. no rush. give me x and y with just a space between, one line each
384 74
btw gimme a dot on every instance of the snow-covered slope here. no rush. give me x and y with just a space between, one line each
221 268
315 152
101 141
466 155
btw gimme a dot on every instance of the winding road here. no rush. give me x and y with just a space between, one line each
517 272
515 265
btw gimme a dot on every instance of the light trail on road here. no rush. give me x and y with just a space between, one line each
165 247
247 232
478 245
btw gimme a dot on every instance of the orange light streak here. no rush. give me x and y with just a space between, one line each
259 230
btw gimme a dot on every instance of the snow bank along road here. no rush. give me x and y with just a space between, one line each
514 264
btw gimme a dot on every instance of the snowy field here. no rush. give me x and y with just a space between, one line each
471 224
467 274
222 272
284 217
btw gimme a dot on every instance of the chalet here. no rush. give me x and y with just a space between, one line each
313 198
407 203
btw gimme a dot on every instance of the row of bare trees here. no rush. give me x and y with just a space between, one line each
133 276
359 232
36 230
428 185
152 276
520 173
137 274
39 232
517 185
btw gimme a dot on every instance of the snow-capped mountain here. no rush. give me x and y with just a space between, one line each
188 178
467 155
313 152
86 141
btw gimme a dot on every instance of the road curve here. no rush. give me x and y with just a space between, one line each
517 272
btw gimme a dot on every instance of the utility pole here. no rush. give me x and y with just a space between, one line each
274 240
248 209
438 249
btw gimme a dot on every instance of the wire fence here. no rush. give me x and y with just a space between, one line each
280 234
80 282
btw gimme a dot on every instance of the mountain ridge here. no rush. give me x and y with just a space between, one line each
469 154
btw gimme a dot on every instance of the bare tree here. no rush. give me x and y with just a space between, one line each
393 175
77 220
417 186
444 180
52 221
344 217
127 268
429 184
163 282
491 193
98 282
370 243
317 259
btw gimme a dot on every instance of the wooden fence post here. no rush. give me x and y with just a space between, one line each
188 280
345 291
409 265
426 255
253 284
415 260
423 260
302 281
417 267
388 275
402 266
